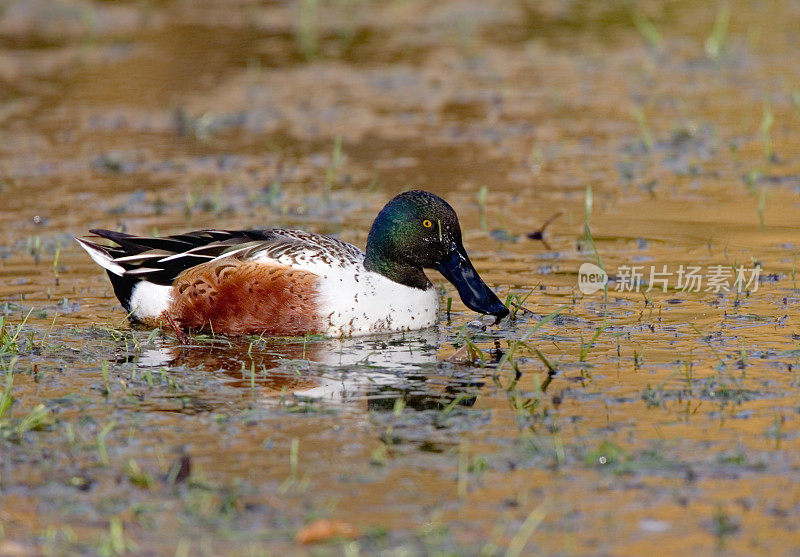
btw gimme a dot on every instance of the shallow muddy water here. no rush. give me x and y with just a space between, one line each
657 137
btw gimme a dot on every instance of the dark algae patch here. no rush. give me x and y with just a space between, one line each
656 142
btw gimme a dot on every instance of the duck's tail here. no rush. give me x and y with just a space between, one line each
142 298
102 256
142 269
123 284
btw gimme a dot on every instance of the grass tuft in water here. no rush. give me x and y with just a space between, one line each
38 418
115 543
483 194
9 335
515 301
762 203
585 346
607 454
7 398
644 128
292 480
332 172
723 525
648 30
516 546
765 129
716 42
463 468
137 476
101 443
307 32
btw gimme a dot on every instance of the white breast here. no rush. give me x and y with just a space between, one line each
362 302
355 301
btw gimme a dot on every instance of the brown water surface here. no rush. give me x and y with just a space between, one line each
670 419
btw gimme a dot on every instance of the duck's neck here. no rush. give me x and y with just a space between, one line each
382 258
396 271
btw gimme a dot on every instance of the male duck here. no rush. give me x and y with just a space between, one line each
289 282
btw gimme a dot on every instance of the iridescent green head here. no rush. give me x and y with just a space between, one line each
419 230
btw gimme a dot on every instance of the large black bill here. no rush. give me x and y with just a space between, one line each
473 291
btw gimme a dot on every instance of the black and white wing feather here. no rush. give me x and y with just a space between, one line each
161 260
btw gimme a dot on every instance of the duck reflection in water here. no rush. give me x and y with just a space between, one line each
378 369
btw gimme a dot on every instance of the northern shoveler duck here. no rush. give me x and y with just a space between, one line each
288 282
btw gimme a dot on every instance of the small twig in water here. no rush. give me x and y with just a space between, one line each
539 234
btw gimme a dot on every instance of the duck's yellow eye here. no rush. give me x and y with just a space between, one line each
426 223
